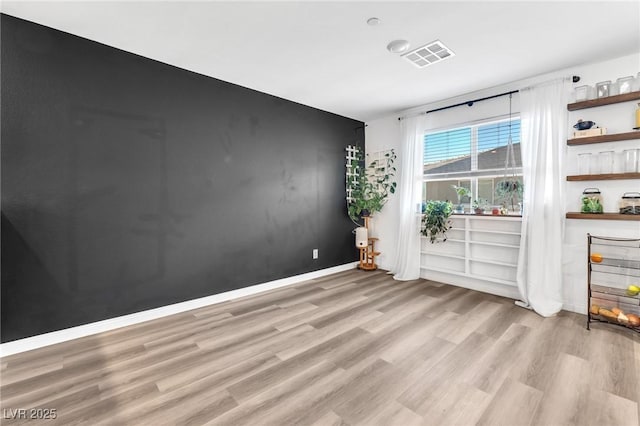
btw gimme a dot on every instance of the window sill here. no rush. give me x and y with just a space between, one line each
484 216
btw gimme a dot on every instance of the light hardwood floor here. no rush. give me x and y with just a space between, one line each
353 348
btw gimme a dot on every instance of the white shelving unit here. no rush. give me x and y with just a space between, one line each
483 247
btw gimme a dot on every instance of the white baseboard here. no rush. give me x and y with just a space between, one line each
41 340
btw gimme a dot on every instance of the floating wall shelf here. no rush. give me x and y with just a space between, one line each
603 216
605 138
626 97
608 176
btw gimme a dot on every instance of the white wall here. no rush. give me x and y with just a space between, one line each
384 133
381 135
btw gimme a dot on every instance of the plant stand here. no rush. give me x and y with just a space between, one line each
368 254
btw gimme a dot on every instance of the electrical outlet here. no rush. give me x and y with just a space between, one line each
315 253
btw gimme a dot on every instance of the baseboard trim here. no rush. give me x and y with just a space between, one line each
42 340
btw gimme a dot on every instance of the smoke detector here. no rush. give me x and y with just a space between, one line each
398 46
429 54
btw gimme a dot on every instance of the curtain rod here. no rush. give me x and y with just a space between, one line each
574 78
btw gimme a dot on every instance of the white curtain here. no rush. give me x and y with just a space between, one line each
543 143
407 253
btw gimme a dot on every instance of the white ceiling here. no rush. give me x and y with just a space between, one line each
323 54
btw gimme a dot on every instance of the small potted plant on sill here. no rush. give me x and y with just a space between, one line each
462 192
436 222
480 205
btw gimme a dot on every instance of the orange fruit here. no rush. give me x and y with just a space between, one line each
596 257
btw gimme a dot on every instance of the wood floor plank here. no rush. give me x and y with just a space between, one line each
353 348
567 396
514 403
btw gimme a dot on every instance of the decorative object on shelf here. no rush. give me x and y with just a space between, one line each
625 84
608 300
631 159
435 222
368 188
591 201
598 131
585 161
605 160
361 237
603 89
637 118
462 192
582 93
584 125
480 205
630 203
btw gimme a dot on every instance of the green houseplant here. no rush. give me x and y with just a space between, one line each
462 192
436 222
510 191
371 186
480 205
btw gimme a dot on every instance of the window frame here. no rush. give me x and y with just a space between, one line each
473 175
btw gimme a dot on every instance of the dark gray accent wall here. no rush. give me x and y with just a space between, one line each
129 184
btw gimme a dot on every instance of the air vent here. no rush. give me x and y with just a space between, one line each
429 54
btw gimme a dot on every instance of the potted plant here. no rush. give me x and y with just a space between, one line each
509 191
436 222
462 192
371 186
480 205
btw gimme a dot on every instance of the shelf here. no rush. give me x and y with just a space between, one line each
599 318
614 137
451 256
608 176
619 292
494 262
603 216
619 263
475 276
591 103
491 231
487 243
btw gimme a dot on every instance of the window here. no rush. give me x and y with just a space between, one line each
474 157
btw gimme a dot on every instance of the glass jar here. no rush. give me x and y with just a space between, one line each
603 89
591 201
585 163
605 158
630 203
582 93
625 84
631 160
